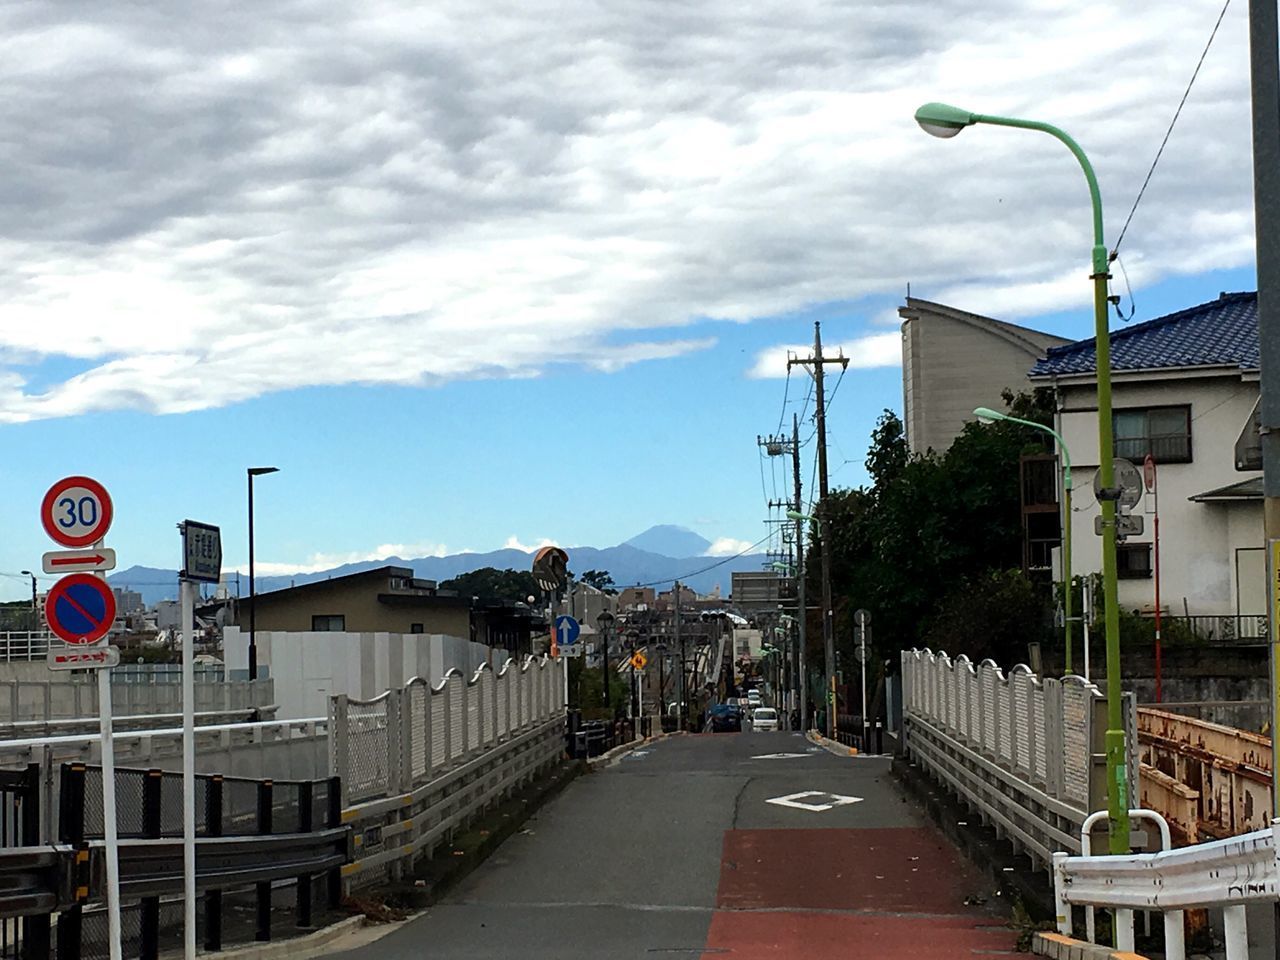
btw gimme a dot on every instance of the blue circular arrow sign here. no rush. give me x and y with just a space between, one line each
567 630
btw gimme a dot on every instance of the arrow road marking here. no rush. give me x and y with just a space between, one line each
778 756
796 801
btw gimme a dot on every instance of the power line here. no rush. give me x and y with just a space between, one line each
1186 93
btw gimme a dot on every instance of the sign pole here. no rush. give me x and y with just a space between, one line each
110 839
188 772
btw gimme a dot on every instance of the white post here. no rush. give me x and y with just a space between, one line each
1235 932
188 771
110 840
1124 929
862 648
1062 909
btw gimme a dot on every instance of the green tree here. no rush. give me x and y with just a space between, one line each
600 579
489 583
930 529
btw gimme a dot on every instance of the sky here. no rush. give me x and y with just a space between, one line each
504 274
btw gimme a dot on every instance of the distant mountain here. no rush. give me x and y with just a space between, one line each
670 541
626 563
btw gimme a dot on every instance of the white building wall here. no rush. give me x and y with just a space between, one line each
309 667
1198 541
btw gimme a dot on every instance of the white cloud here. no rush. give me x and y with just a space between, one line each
513 543
327 561
199 208
873 350
727 547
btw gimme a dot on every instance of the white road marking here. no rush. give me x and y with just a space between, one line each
797 801
778 756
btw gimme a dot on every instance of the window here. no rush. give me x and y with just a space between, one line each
415 628
1133 561
329 622
1163 432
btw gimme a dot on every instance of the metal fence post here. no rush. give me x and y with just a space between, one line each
263 931
213 898
334 819
305 825
339 742
447 693
149 924
36 929
71 831
428 701
406 740
466 737
395 772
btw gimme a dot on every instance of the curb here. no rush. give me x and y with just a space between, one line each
1057 946
308 945
607 758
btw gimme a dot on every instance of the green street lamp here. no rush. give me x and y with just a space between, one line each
987 415
943 120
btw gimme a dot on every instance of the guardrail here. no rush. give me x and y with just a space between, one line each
1224 875
55 700
249 834
1025 753
1208 779
421 762
23 645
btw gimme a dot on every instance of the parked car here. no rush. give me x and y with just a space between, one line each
754 699
726 718
764 718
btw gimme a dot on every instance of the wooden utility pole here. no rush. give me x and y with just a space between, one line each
819 362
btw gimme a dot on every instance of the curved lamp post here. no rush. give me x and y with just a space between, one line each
943 120
987 415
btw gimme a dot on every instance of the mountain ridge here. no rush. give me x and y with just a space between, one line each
629 565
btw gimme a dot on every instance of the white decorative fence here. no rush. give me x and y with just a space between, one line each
1026 753
420 761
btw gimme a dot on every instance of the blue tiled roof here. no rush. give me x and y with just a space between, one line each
1222 332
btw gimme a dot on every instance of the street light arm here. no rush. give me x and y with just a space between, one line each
1062 444
1095 195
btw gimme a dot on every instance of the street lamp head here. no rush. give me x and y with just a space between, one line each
987 415
259 471
27 573
943 120
797 515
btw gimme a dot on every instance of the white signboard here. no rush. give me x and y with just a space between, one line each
78 561
83 658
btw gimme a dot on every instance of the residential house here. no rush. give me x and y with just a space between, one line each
1185 392
954 361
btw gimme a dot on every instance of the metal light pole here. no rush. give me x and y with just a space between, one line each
35 614
987 415
941 120
253 586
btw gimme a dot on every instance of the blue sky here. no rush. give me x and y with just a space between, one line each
462 308
578 457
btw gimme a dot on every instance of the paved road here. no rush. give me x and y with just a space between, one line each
676 852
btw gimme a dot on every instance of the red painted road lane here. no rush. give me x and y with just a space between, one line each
830 936
882 893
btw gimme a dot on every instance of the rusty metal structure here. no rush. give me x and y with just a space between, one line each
1210 781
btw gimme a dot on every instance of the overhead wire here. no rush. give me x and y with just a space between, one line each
718 563
1178 112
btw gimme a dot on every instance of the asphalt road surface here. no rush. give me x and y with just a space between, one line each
727 846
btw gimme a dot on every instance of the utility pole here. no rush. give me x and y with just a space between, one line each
1264 70
801 613
819 362
675 592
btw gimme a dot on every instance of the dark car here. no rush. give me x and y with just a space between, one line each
726 718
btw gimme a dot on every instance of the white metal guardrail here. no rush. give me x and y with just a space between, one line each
1226 875
1025 753
420 762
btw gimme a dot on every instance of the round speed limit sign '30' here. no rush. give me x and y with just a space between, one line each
76 511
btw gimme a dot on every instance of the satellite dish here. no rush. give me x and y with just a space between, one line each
1127 477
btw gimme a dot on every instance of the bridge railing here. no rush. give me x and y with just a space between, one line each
1025 753
420 762
1224 875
